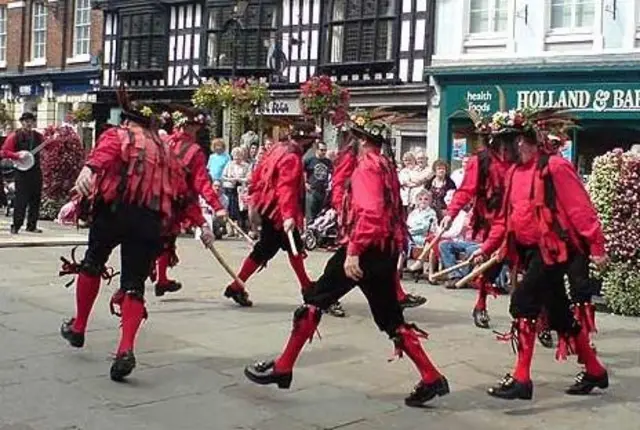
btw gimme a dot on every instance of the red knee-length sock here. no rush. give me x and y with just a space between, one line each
297 263
526 333
87 288
162 265
481 300
412 346
249 267
132 316
304 326
587 355
400 293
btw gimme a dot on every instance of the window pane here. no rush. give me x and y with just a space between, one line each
560 14
339 7
479 16
585 13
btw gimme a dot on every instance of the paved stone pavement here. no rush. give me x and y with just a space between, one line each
192 350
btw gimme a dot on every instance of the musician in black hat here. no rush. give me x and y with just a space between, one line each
16 147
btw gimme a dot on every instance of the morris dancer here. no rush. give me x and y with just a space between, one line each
134 186
546 219
374 232
186 122
276 194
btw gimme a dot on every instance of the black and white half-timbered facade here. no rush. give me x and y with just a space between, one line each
163 49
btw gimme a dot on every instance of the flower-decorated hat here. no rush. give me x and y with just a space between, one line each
184 115
135 112
375 125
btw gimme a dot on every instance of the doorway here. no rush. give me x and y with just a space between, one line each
595 141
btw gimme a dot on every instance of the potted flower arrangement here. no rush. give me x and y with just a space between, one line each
614 187
320 97
82 114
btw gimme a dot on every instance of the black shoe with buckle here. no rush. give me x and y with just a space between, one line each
510 389
169 287
412 301
545 338
75 339
241 297
264 373
423 392
336 310
585 383
122 366
481 318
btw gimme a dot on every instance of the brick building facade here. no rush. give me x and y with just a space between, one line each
49 56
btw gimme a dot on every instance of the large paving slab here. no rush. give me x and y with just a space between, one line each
192 351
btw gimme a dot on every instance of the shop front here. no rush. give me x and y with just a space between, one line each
608 109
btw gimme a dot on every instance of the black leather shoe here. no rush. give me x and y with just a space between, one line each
75 339
510 389
33 230
585 383
336 310
424 392
412 301
122 366
264 373
545 338
241 297
169 287
14 230
481 318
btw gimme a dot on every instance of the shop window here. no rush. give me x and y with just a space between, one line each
3 34
82 28
572 14
143 41
39 31
252 40
488 16
360 31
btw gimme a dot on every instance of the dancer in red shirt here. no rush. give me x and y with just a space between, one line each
186 124
546 218
374 232
134 189
276 196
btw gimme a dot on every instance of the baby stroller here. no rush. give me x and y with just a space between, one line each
323 231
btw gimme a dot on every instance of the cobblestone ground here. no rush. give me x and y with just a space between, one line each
193 348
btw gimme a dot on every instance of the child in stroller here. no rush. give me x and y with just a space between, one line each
323 231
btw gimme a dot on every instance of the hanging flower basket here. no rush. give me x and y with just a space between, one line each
320 97
243 95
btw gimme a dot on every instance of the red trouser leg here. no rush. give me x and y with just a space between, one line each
481 300
297 263
525 331
132 316
410 345
249 267
162 265
305 322
87 288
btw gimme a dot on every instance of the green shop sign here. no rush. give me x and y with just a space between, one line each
589 101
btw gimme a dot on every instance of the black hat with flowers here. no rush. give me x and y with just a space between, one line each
181 115
131 111
375 125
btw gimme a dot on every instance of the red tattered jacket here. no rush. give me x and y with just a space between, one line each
372 214
194 160
522 219
152 178
276 188
483 213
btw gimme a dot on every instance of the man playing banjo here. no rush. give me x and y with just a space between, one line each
22 146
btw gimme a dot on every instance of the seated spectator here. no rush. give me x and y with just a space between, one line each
456 242
422 224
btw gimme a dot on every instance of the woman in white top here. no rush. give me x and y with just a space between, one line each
234 179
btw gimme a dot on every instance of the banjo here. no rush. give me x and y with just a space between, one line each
27 159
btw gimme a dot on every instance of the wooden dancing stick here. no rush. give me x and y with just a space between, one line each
225 266
292 243
237 228
478 271
453 268
431 244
